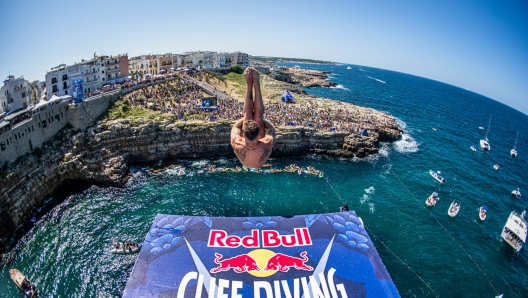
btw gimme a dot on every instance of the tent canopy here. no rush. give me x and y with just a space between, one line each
287 97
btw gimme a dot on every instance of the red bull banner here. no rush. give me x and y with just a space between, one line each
306 256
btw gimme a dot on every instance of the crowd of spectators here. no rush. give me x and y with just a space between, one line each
183 98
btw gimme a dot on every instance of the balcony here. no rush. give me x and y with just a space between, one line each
113 70
89 73
112 63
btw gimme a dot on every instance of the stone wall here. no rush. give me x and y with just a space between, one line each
29 135
26 136
82 115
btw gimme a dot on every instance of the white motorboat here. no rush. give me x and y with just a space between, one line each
437 176
454 208
484 144
483 212
473 148
515 229
496 166
516 192
432 199
513 152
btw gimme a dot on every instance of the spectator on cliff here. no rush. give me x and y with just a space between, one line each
253 145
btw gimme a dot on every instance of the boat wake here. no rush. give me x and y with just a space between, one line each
365 70
365 199
376 80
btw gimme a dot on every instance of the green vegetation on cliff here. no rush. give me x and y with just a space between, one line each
121 110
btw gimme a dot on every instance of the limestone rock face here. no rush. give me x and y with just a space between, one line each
311 78
102 155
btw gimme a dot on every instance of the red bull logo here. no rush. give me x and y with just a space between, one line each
239 264
282 262
246 263
270 238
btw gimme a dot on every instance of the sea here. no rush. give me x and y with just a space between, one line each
427 253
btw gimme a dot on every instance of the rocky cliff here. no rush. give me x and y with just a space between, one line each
311 78
102 154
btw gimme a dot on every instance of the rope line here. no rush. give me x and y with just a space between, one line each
372 233
403 262
338 196
449 234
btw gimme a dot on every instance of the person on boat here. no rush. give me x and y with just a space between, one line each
252 137
344 208
26 284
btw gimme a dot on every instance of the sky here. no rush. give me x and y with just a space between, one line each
477 45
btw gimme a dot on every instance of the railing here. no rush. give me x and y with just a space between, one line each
113 70
89 73
112 63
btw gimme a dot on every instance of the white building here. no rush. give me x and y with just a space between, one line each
15 94
220 60
86 76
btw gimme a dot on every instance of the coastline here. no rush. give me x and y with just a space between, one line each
104 152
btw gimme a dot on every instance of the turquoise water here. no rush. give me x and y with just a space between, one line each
426 252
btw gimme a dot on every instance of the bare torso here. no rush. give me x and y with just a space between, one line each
253 155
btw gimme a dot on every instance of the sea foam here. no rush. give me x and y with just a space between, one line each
406 145
340 87
384 149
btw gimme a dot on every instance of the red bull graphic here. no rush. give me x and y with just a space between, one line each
282 262
241 263
270 238
306 256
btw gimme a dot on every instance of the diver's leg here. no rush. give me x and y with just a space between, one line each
258 105
248 101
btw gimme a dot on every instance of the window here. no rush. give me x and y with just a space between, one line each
23 94
54 80
44 124
64 77
64 85
54 88
57 119
3 146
